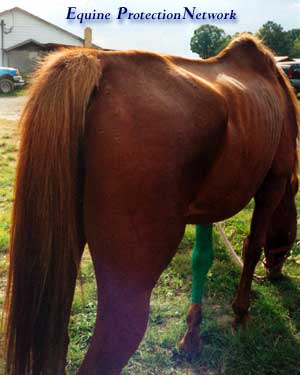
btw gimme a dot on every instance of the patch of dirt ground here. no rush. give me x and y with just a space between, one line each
11 107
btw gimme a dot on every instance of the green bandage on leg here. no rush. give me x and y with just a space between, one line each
202 260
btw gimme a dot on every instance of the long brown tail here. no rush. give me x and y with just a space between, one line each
45 234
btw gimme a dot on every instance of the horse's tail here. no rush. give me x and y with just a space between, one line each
46 231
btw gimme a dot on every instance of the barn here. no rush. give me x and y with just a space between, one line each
25 38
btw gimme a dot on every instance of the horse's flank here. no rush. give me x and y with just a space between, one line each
165 141
262 107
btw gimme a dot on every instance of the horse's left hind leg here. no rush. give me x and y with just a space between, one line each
120 325
128 260
202 260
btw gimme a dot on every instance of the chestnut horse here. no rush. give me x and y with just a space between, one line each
121 150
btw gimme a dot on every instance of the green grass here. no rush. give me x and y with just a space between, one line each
269 346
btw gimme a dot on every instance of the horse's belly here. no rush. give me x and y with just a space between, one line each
232 181
216 208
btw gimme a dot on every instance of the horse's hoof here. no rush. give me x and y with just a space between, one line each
275 275
191 344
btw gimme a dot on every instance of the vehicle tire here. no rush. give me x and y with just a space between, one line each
6 86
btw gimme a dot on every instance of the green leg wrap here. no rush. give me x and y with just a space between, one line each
202 260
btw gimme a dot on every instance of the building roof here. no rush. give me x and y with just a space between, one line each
282 58
45 46
24 43
46 22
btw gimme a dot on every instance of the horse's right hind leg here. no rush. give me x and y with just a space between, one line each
282 232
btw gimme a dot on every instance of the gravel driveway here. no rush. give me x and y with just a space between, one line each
11 107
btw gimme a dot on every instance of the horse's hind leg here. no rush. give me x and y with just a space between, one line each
281 232
202 259
120 325
266 201
128 260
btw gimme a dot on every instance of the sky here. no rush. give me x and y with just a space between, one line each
166 37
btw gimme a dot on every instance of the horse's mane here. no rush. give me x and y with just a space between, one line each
249 45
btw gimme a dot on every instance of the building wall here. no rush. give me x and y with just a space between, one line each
27 27
25 59
5 63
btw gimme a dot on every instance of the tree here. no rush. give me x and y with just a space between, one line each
295 50
294 40
293 34
209 40
275 38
